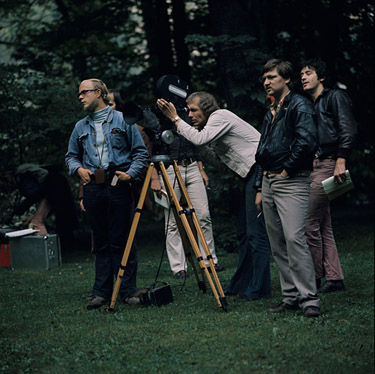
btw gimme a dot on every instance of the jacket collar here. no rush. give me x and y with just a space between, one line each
109 118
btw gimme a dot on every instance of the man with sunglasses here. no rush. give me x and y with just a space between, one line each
107 154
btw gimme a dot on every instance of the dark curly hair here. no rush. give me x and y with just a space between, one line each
318 65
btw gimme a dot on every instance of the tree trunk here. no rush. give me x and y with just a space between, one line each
179 34
158 35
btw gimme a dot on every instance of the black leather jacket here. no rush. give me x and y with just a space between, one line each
290 142
336 125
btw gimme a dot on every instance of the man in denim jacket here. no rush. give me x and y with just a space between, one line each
107 154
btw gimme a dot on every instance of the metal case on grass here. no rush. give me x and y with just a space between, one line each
41 252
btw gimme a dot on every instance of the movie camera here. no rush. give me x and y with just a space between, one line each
157 126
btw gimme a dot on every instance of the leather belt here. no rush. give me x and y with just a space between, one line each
330 156
186 161
301 173
268 172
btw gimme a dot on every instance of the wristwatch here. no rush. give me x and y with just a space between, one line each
175 119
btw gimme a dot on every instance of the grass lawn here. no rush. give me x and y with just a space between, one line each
45 327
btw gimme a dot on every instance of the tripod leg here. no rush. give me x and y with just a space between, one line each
188 254
130 240
189 232
199 231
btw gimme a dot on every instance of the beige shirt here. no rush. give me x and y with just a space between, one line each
234 141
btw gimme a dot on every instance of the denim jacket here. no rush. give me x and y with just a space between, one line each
126 149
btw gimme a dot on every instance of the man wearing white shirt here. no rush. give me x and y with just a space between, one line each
233 142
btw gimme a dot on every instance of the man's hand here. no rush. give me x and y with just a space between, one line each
203 174
85 175
339 172
122 176
167 108
282 174
205 178
258 201
82 206
155 183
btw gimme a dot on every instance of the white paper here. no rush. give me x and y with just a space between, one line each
15 234
163 200
333 189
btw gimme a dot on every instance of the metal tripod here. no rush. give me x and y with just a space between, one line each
189 228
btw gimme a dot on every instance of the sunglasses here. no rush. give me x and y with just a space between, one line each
84 92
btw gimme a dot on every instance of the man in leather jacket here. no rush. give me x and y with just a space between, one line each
337 133
285 153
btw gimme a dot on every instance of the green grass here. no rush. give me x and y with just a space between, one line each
45 327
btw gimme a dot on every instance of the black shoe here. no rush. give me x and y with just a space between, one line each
282 307
217 268
181 274
312 311
332 286
97 302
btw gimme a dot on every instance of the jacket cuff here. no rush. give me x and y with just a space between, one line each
258 177
344 153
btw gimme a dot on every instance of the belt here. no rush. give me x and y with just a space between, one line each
107 177
186 161
268 172
301 173
331 156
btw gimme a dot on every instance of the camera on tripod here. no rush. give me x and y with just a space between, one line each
158 128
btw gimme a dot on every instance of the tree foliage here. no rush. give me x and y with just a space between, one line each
47 47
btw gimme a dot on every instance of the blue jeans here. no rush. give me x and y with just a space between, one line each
252 278
109 212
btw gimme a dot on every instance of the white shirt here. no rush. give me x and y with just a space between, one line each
234 140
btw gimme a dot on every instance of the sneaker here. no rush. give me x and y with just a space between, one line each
312 311
282 307
181 274
332 286
96 302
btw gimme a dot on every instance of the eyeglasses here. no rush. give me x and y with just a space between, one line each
84 92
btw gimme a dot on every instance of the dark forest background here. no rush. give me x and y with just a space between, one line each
48 47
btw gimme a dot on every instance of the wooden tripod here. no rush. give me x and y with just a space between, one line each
189 221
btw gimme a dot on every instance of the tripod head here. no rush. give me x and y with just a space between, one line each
159 129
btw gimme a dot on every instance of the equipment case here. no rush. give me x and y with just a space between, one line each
35 252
